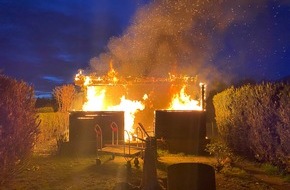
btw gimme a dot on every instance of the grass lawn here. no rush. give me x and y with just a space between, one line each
72 173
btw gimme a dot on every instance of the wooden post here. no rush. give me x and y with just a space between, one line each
149 179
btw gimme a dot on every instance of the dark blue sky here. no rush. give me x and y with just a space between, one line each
45 42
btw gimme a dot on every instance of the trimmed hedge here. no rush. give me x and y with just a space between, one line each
254 121
53 128
45 110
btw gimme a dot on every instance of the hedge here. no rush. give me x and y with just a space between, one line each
254 121
53 127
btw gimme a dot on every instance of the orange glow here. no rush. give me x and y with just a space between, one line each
77 77
112 74
130 107
183 101
95 100
111 92
88 81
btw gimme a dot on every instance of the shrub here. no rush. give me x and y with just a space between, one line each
64 96
18 128
229 107
53 130
222 154
254 121
45 110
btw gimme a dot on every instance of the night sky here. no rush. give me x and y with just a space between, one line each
45 42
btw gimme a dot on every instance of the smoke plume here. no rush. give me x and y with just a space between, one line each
177 36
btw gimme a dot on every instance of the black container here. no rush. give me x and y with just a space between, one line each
82 124
183 131
190 176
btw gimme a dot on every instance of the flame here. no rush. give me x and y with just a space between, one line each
78 75
95 100
88 81
183 101
99 98
145 97
131 107
112 74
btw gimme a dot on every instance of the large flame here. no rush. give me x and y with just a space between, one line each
131 107
101 97
183 101
95 99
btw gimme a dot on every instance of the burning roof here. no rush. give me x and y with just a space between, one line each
138 97
93 80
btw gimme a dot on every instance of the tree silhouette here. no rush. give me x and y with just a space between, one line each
64 96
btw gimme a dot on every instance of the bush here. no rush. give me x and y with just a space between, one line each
45 110
53 130
64 96
18 128
222 154
254 121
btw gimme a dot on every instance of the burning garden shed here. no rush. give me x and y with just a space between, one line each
158 59
170 108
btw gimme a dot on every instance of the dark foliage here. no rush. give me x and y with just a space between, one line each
46 102
18 128
254 121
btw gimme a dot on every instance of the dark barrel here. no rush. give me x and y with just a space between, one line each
82 135
183 131
191 176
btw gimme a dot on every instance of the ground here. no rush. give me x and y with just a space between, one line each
82 172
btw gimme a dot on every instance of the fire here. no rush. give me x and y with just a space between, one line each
183 101
107 93
131 107
112 74
95 100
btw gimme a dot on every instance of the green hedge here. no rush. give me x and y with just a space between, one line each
45 110
53 127
254 121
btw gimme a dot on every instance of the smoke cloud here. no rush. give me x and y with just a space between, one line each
177 36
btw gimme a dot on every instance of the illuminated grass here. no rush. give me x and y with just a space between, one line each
73 173
270 169
233 171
